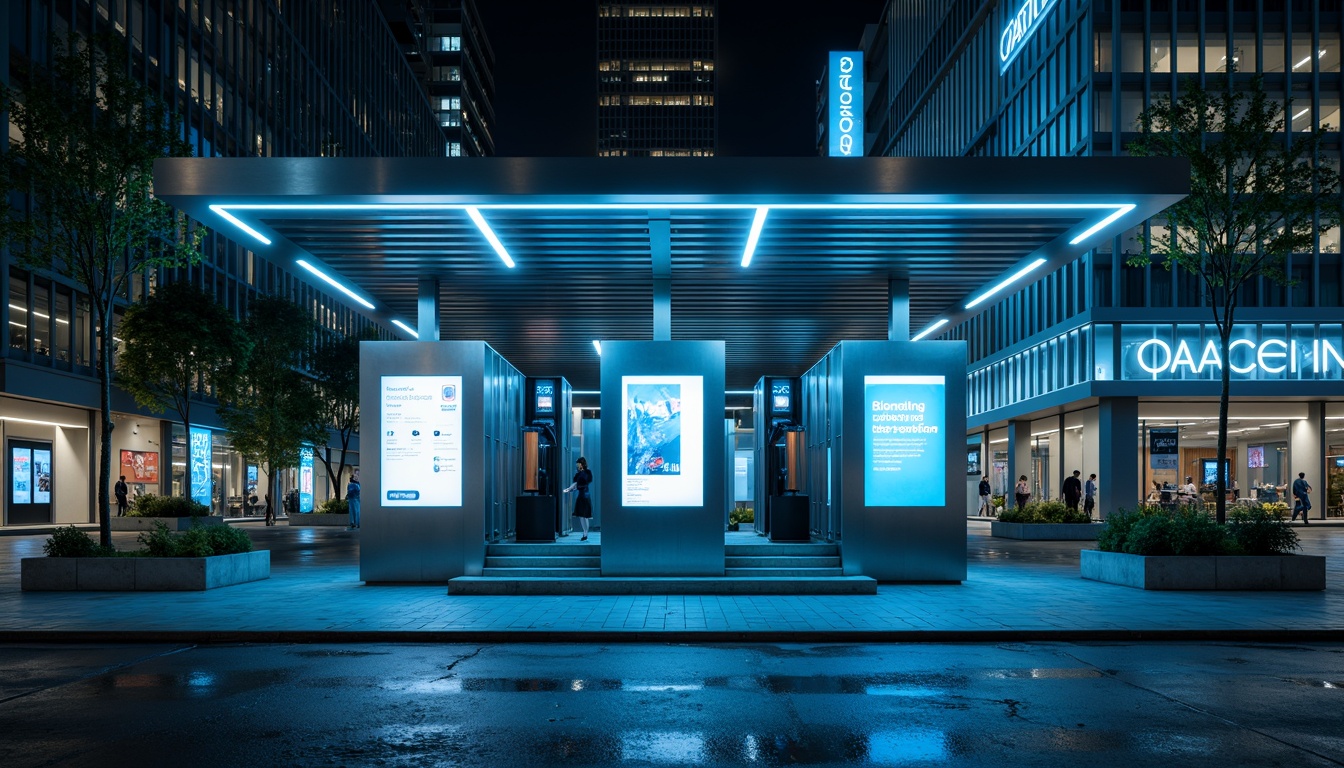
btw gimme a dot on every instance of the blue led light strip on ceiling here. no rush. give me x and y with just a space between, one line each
406 328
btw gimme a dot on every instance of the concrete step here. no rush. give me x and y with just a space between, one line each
808 573
559 561
663 585
781 562
549 574
558 549
782 550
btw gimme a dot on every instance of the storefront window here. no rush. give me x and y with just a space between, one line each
18 313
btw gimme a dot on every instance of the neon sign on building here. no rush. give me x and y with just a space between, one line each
1247 358
1020 27
846 104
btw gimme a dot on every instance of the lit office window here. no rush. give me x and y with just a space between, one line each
454 149
448 43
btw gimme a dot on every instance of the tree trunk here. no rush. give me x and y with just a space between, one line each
105 416
186 441
1220 482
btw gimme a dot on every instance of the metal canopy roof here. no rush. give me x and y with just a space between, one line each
835 231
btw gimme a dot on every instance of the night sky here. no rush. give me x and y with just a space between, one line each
770 55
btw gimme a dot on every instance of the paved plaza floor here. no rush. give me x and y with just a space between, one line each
1014 590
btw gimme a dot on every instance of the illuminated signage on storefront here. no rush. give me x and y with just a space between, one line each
1020 27
846 104
1314 355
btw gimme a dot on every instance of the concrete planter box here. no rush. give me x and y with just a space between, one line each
142 574
173 523
1046 531
316 518
1274 572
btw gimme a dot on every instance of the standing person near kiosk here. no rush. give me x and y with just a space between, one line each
583 503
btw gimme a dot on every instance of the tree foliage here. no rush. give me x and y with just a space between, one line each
335 368
273 410
176 343
1258 193
88 133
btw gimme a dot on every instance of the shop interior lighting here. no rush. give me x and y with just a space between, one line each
598 346
239 224
1100 225
19 308
1018 275
1304 111
489 233
930 329
1000 440
406 328
1307 58
44 423
333 282
757 223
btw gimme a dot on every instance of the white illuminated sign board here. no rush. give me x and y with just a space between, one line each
422 441
1019 28
845 109
662 441
1163 359
904 446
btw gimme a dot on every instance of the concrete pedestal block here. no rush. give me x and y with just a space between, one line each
1273 572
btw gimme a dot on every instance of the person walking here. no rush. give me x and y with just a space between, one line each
352 499
583 502
121 490
985 491
1022 492
1302 492
1072 490
1090 494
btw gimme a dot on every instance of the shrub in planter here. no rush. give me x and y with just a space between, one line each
197 542
334 507
998 501
1044 512
150 505
72 542
1156 531
1261 531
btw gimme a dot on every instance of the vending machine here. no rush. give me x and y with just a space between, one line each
782 511
547 453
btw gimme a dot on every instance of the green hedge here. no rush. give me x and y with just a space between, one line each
150 505
1044 512
200 541
1150 530
334 507
744 515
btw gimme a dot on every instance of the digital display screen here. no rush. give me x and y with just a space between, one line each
201 477
422 441
904 453
1255 456
305 479
140 466
972 461
1210 467
41 476
662 441
21 475
781 397
544 393
1164 448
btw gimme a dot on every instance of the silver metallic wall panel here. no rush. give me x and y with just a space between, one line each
590 449
434 544
892 543
662 541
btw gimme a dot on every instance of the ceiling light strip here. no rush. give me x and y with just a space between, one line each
490 235
1015 277
406 328
1100 225
219 209
1035 206
333 282
598 346
757 224
930 329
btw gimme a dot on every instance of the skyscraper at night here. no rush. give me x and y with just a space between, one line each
656 85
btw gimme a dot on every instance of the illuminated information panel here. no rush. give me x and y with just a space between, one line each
662 441
422 441
202 476
904 450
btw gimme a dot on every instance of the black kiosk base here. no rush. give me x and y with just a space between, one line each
789 519
535 523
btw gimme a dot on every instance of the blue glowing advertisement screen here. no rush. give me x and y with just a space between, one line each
845 107
662 434
305 479
904 450
201 476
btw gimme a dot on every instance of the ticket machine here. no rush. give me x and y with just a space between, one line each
546 456
782 510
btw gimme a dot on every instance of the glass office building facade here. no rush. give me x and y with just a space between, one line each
656 85
251 78
1100 353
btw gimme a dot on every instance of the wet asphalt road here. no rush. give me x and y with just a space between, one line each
1048 704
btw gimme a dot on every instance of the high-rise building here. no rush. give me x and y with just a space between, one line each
447 48
250 78
656 85
1086 367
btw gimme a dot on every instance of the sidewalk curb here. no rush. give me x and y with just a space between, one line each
675 636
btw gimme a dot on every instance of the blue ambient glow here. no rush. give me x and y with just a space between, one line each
846 104
1016 275
757 223
234 220
406 328
1101 224
333 282
490 235
930 329
598 346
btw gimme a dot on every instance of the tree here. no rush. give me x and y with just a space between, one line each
1258 193
89 133
335 368
176 343
273 410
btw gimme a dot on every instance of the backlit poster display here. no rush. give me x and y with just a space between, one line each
904 451
21 475
846 104
41 476
662 441
305 480
140 466
544 393
422 441
1164 448
201 477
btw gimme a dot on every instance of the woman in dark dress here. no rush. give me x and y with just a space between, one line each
583 503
